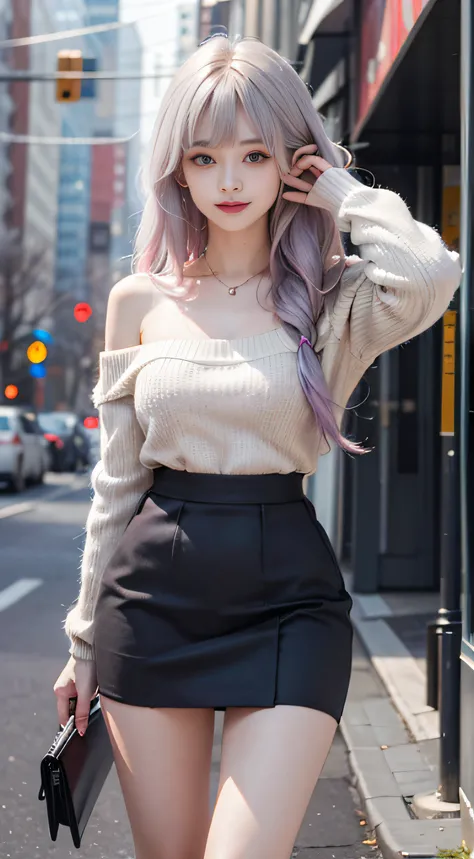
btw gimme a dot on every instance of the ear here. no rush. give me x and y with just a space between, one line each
179 177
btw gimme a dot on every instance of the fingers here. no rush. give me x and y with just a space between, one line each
303 150
63 694
294 197
82 713
86 682
77 680
300 184
297 170
315 163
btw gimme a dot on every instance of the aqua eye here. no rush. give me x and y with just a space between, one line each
195 158
259 154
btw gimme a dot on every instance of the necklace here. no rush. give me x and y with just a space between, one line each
233 289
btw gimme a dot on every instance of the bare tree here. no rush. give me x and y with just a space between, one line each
28 302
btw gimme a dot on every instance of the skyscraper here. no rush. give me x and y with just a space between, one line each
6 109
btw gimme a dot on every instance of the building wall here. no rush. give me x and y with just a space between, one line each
186 37
74 169
127 202
6 110
19 58
275 22
42 163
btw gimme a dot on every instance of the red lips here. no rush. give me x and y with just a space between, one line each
232 207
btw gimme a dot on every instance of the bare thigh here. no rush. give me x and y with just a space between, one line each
163 760
271 761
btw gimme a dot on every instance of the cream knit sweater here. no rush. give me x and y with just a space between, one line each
236 406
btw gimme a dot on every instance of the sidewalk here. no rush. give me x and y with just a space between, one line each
392 735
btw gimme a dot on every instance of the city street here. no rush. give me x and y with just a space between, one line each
40 557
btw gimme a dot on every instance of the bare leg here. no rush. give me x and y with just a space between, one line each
271 761
163 759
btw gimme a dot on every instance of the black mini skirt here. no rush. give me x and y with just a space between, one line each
224 591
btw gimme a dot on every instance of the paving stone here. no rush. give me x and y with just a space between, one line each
404 758
361 736
418 836
373 773
386 809
416 781
390 735
355 714
381 713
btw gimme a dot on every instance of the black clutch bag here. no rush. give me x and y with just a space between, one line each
73 773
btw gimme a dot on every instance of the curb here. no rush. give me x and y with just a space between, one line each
388 771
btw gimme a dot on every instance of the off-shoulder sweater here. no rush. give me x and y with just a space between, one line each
236 406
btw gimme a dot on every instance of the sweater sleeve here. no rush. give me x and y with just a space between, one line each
405 277
118 480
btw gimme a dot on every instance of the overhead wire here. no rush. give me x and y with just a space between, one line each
10 137
57 35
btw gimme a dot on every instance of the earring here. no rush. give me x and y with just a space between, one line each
360 173
350 157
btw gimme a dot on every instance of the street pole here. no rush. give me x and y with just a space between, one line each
466 399
448 624
455 429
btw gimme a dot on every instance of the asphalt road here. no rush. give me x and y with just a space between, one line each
41 537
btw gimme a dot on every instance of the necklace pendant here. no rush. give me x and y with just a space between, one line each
232 290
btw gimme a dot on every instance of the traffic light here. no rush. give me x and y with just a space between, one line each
82 311
69 90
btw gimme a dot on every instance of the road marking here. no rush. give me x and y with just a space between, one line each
15 592
81 482
15 509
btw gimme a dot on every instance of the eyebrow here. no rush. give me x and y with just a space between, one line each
249 141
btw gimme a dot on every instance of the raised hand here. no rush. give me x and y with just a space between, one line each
304 160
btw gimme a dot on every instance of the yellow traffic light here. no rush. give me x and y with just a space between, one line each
37 352
69 90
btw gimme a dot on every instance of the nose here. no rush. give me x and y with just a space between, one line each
229 180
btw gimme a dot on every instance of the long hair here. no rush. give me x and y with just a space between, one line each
307 258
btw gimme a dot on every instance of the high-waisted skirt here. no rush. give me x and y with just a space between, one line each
224 591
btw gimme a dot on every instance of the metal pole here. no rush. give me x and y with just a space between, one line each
448 627
467 302
454 512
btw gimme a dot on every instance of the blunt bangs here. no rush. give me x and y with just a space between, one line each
220 102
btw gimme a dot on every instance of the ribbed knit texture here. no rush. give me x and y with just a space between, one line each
236 406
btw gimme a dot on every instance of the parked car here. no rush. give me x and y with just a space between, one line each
68 440
24 454
93 434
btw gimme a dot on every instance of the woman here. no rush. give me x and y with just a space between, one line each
231 352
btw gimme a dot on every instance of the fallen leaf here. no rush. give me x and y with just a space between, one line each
370 841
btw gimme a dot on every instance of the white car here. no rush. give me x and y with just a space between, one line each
24 454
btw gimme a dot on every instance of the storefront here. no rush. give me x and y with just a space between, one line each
410 131
406 131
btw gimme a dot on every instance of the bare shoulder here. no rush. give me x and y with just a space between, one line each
129 301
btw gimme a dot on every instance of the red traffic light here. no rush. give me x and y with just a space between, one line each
91 423
82 311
